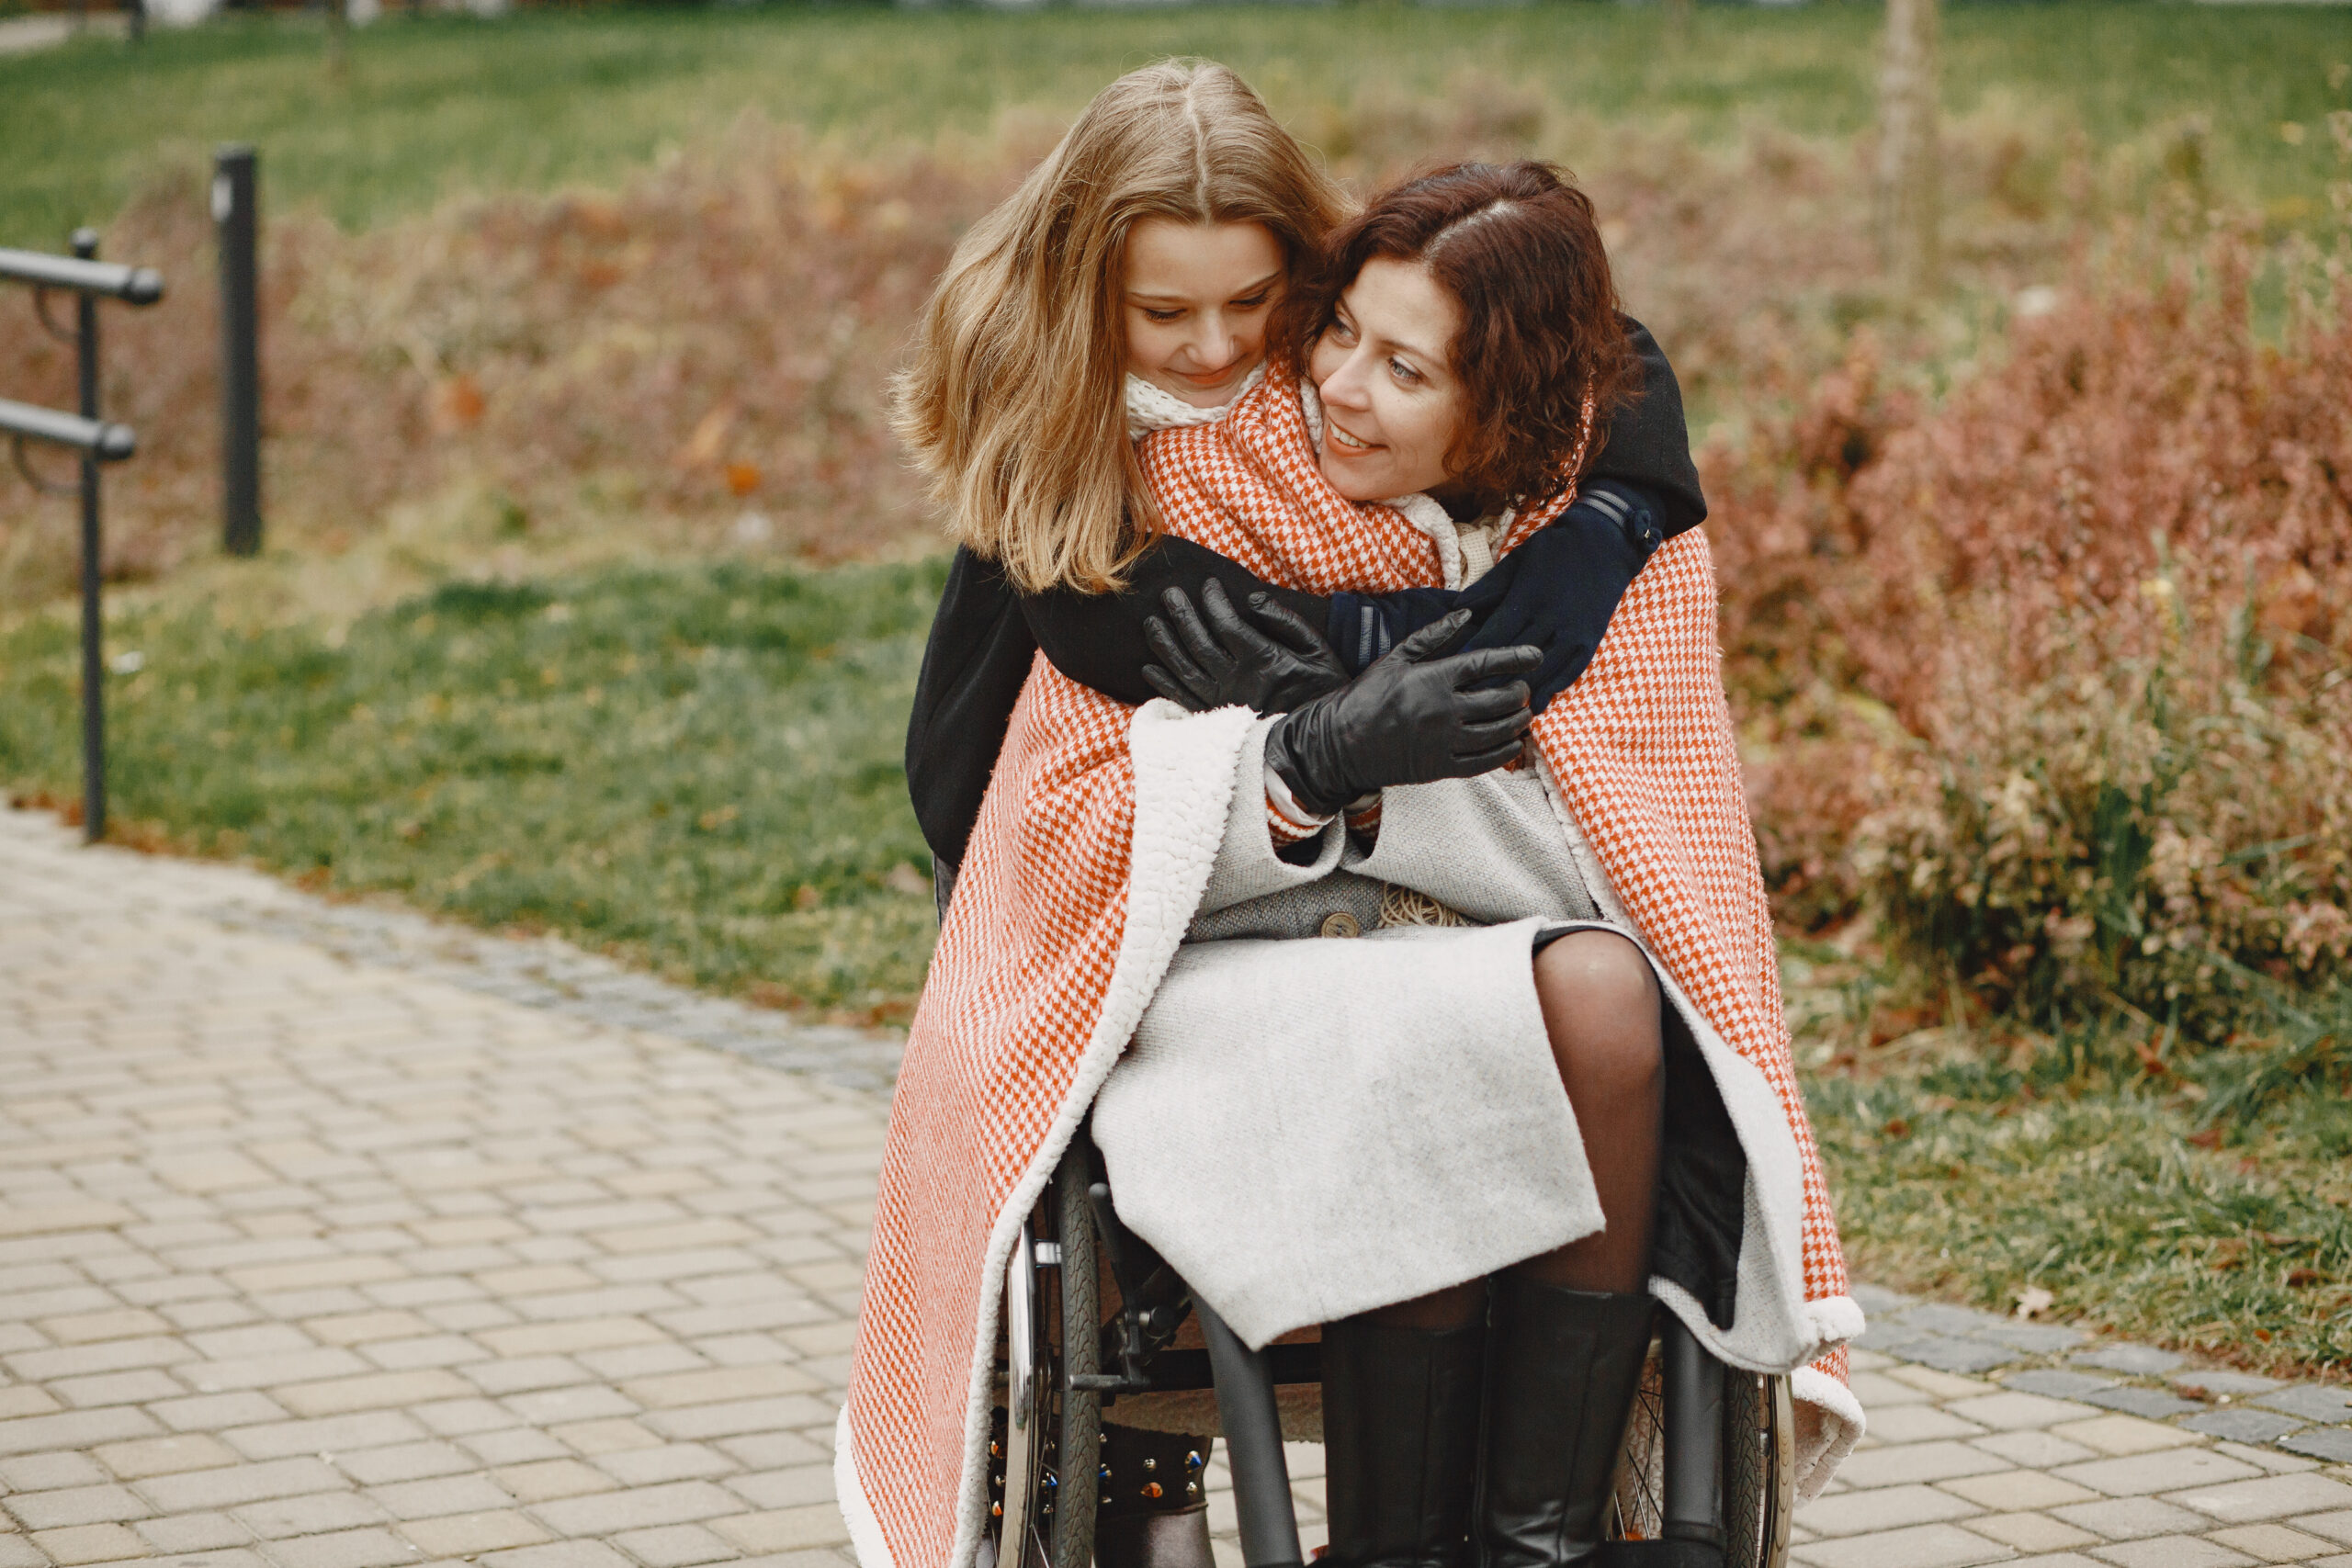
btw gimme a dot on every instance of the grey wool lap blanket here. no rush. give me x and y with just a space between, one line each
1308 1127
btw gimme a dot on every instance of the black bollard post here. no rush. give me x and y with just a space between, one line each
234 216
93 669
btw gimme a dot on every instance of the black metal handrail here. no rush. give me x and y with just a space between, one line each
107 442
89 280
132 285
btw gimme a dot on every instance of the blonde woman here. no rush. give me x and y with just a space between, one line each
1126 288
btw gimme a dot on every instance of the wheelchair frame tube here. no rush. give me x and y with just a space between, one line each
1693 1501
1253 1445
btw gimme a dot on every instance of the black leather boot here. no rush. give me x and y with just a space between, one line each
1401 1443
1562 1371
1153 1513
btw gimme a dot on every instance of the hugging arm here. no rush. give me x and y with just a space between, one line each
986 634
1103 640
1554 592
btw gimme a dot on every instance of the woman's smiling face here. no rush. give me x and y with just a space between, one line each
1196 300
1391 401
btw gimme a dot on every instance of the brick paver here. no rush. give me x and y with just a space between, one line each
331 1238
320 1264
2060 1488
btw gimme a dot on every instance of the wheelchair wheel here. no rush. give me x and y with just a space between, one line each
1759 1473
1759 1470
1018 1456
1045 1456
1080 1434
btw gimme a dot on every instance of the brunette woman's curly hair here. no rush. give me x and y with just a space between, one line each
1516 246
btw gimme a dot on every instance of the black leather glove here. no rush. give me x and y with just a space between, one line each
1411 718
1227 661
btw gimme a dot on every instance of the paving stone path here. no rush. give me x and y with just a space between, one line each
331 1237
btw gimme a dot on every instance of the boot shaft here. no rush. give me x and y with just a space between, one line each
1562 1370
1400 1435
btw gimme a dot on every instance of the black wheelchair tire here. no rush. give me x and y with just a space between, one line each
1758 1468
1081 1435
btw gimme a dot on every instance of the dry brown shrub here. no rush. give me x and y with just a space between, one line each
2056 674
699 358
708 346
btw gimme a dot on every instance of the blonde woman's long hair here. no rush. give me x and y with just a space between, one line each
1013 404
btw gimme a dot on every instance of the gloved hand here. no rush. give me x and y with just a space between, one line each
1229 661
1411 718
1363 626
1558 591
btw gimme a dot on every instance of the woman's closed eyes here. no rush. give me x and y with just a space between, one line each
1178 312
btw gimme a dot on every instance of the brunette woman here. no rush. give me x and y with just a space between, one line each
1475 1170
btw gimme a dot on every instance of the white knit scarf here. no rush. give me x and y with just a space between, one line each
1151 408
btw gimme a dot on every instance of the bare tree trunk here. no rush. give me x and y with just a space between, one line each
1907 195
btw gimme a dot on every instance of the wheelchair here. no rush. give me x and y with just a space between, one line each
1706 1463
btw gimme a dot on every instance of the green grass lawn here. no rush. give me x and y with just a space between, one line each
697 768
430 107
2228 1236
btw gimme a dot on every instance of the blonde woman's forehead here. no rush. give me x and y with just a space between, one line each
1200 262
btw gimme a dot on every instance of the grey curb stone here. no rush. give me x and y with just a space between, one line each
2142 1360
2057 1382
1957 1355
2036 1338
2321 1442
1938 1319
2155 1403
2311 1402
1879 1302
2230 1384
2242 1425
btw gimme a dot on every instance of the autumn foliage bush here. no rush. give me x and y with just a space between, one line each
699 357
2054 677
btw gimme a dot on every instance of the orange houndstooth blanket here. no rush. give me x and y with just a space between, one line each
1092 852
